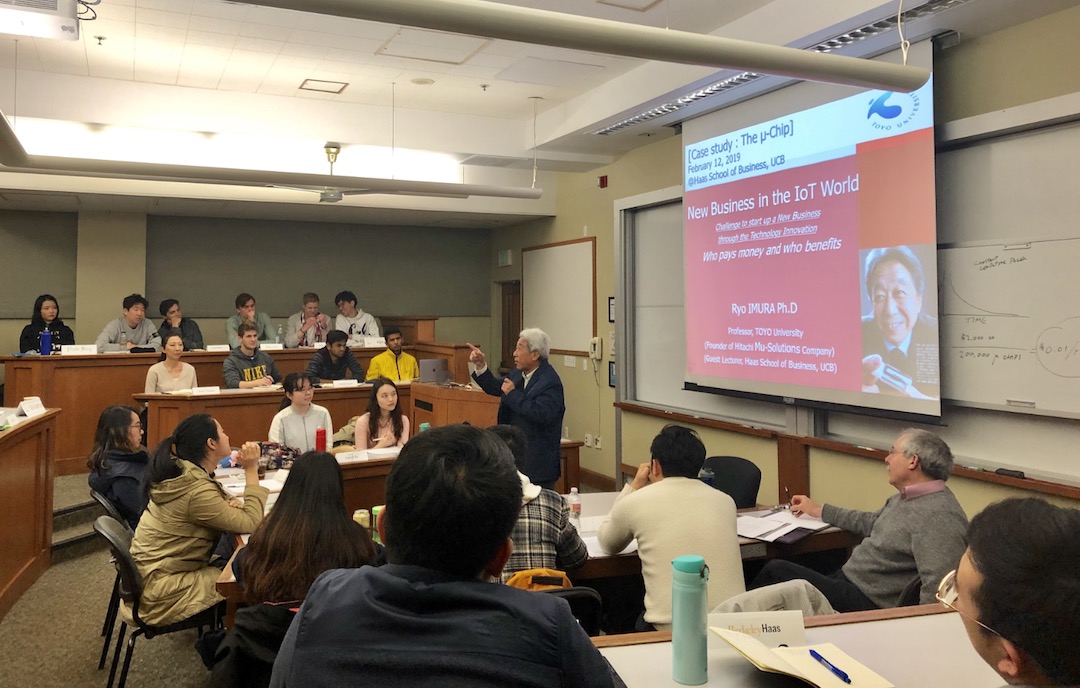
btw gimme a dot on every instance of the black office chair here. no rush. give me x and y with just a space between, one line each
114 598
911 594
737 477
131 589
585 605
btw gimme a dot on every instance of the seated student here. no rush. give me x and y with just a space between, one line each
174 322
118 460
247 366
654 509
393 363
130 331
918 533
171 374
429 617
1017 591
46 316
295 424
245 313
334 360
309 326
383 425
307 532
187 513
543 536
353 321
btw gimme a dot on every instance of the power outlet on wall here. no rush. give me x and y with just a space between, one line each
596 442
588 440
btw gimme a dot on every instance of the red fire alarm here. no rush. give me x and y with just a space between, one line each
601 181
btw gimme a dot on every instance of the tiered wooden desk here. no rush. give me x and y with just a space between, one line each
26 504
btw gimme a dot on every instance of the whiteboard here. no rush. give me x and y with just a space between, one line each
558 293
1010 326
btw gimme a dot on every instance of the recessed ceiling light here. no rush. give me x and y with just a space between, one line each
323 86
420 81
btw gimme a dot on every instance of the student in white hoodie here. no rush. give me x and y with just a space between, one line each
353 321
295 424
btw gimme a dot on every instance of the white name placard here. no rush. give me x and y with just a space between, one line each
78 349
31 407
351 457
372 342
218 347
203 391
773 629
271 346
347 382
318 345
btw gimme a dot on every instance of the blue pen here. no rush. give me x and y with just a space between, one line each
828 665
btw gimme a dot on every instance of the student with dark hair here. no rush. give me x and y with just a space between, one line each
543 536
429 617
383 425
353 321
247 365
174 322
1018 593
393 363
295 424
118 460
309 531
170 374
246 313
46 316
335 360
130 331
671 513
186 514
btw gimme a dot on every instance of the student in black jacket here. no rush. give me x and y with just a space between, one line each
118 461
46 316
334 360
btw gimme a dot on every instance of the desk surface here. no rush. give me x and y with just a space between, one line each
923 649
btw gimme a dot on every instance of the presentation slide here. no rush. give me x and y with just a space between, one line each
811 268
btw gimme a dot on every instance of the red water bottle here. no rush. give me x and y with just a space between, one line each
320 439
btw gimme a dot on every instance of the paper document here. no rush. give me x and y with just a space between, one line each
593 545
591 524
770 526
799 663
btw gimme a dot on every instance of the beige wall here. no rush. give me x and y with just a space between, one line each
111 264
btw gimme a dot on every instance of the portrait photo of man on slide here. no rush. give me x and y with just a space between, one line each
900 340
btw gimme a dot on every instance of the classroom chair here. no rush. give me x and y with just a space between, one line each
131 589
585 605
114 598
737 477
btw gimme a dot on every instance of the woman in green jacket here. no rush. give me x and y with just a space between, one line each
187 513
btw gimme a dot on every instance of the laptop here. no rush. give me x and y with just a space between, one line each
434 370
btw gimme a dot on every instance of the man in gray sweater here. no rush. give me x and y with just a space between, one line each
130 331
918 534
247 366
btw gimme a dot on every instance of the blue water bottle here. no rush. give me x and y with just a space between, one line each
45 342
689 660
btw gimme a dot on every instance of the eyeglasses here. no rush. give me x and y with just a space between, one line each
947 595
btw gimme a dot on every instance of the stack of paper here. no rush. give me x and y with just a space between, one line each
801 664
770 526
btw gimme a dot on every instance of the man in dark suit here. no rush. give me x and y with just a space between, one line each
532 399
900 341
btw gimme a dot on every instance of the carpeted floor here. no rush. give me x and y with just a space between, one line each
51 637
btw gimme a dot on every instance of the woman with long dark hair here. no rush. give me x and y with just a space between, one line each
307 532
383 425
46 316
118 461
185 517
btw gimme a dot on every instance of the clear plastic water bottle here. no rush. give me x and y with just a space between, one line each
45 342
280 334
573 500
123 338
707 476
689 620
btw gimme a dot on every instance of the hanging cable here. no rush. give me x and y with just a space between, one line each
904 43
535 100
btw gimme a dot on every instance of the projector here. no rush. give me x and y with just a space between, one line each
40 18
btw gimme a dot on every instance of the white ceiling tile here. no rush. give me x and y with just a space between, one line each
265 31
215 9
29 58
486 59
215 40
427 53
245 71
357 28
551 72
311 50
117 62
126 3
511 48
213 25
163 34
158 18
470 70
440 39
111 12
327 40
351 56
388 62
111 30
181 6
202 66
258 45
294 62
273 16
157 61
340 67
64 57
283 82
